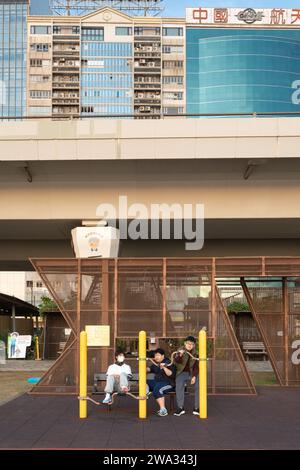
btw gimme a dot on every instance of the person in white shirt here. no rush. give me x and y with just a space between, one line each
118 375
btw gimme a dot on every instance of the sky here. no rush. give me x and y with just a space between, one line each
177 7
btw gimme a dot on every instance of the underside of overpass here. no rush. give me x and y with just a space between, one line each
246 173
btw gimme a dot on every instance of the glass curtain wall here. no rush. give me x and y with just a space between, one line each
106 75
13 39
242 70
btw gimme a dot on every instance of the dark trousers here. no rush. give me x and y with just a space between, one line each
181 380
159 389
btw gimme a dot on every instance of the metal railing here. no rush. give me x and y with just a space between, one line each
161 115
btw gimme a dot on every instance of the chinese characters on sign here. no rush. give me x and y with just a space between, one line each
221 15
248 16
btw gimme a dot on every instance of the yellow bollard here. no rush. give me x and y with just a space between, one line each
202 375
37 349
83 375
142 375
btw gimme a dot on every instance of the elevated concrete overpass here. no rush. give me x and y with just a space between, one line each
246 171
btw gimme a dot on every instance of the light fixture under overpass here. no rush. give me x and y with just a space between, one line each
251 164
82 7
28 172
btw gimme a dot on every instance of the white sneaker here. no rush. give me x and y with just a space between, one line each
107 400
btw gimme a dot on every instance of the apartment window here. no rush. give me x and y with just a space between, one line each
39 62
87 109
57 284
172 31
173 111
123 31
172 49
92 34
39 110
29 283
173 79
140 31
36 62
40 94
40 78
147 79
66 29
39 284
94 63
40 47
40 29
173 95
172 64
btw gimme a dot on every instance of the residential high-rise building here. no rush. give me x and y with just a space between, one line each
13 61
106 63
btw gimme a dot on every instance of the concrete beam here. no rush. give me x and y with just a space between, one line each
180 138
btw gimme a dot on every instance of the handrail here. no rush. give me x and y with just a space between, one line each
150 116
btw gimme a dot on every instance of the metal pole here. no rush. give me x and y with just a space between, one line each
83 375
164 291
202 375
37 349
213 327
13 317
142 375
285 302
77 321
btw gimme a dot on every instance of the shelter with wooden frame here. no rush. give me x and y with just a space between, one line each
171 298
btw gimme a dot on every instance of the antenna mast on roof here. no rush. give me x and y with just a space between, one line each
83 7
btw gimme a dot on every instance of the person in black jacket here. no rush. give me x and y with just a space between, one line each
164 379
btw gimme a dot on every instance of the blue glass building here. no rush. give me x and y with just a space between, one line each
106 74
13 45
238 70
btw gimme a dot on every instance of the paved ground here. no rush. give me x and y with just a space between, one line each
25 365
13 384
270 420
259 366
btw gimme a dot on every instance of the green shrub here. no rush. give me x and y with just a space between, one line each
236 307
47 305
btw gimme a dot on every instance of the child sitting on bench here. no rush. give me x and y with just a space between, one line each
163 382
118 375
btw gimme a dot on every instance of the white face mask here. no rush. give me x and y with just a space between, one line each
120 358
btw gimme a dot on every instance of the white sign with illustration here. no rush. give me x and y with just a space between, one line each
17 344
96 242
